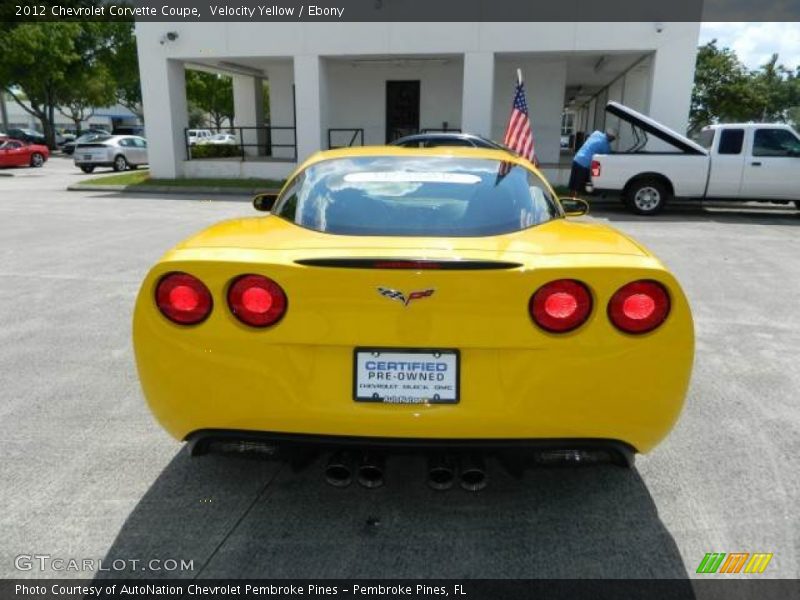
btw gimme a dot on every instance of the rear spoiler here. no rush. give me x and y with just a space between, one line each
654 128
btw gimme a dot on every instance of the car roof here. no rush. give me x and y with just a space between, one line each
445 135
443 151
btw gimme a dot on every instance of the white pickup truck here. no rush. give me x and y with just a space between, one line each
752 161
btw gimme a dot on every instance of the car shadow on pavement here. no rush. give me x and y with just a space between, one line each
717 212
237 517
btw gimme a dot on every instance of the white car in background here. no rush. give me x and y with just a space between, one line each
198 136
120 152
222 139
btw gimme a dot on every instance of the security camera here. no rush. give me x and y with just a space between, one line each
659 27
170 36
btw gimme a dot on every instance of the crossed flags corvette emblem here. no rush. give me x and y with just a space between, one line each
401 297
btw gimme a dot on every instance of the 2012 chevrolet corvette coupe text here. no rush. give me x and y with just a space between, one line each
436 299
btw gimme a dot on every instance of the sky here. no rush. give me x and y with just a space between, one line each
755 43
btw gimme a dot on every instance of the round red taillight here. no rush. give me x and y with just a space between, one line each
561 306
183 299
639 307
257 300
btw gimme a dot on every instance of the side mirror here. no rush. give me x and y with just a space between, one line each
265 202
574 207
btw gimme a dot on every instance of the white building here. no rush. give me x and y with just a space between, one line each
333 84
102 117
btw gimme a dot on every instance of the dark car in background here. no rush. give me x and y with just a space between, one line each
26 135
86 136
433 140
129 130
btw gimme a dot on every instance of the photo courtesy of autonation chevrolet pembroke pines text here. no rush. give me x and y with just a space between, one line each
378 299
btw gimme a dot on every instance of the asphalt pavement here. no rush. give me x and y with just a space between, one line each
86 473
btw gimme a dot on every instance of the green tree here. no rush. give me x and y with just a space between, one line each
212 93
725 90
722 89
774 91
90 88
44 56
793 117
121 57
58 66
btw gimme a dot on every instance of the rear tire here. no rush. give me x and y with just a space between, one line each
120 164
87 169
37 160
647 196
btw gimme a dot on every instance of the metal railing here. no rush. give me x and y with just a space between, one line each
357 134
244 143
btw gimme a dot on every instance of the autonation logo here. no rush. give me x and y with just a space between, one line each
47 562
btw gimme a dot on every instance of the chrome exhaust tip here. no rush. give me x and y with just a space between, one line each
473 473
339 470
441 472
370 471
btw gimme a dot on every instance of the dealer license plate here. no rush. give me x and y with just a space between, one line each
87 157
406 376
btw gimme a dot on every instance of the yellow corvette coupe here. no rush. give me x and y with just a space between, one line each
434 300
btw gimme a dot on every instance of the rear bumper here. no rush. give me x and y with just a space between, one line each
506 394
91 163
286 443
593 190
97 159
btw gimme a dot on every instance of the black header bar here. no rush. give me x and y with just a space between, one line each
402 10
415 589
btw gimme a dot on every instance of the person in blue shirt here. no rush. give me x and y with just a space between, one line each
597 143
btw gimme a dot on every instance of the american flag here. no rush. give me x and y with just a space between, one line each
519 136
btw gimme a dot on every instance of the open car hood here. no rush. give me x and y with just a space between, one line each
655 128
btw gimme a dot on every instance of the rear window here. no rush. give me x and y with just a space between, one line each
416 196
93 137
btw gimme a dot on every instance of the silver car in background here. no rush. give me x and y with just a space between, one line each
221 139
120 152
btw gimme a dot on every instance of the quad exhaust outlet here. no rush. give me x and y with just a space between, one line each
473 477
340 468
370 471
441 472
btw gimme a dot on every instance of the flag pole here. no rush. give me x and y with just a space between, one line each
519 76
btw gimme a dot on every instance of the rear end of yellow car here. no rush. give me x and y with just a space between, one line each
516 380
432 300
